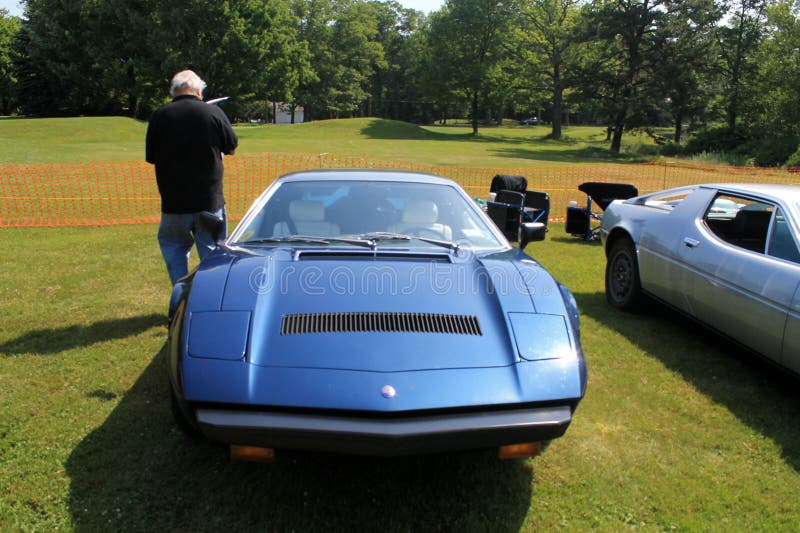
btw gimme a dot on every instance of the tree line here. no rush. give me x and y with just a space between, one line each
625 64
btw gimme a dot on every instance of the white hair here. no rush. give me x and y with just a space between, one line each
186 81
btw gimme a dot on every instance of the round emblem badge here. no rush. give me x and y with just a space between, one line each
388 391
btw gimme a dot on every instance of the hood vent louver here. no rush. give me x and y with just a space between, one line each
377 321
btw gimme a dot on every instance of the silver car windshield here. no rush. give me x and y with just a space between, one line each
392 214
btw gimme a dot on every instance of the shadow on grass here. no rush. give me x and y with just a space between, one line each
137 472
395 130
55 340
758 393
517 146
573 239
586 154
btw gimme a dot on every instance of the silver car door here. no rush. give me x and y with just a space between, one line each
783 245
730 283
791 340
659 265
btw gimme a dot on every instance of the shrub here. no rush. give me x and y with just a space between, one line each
794 159
671 149
720 158
715 139
753 148
769 151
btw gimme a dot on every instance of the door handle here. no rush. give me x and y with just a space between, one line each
691 243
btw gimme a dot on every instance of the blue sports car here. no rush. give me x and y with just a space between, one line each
377 313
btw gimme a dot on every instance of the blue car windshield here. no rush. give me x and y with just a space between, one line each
337 213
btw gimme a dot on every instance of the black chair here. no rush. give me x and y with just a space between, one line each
513 204
505 212
579 219
536 206
508 182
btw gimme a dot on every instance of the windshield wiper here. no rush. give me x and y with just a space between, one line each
375 236
288 238
310 239
369 240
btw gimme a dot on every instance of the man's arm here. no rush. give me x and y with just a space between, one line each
150 144
229 139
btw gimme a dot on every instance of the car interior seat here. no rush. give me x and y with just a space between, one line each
750 229
420 218
306 217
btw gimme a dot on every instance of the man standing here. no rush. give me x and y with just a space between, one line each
185 141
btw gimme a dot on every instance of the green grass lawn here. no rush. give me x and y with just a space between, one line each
63 140
678 430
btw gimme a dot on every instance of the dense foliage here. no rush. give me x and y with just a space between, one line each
625 64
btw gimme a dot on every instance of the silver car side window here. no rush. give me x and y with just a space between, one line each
740 221
781 242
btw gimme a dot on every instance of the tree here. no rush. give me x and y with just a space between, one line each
686 71
122 39
626 31
738 40
9 27
358 54
548 28
314 20
775 93
115 56
260 54
394 90
466 39
620 69
342 39
57 75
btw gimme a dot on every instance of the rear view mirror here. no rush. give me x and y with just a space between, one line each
530 232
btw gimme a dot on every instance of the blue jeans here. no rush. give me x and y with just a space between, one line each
177 233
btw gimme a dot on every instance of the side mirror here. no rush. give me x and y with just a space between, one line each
530 232
213 224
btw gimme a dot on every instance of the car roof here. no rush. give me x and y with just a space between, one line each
777 191
341 174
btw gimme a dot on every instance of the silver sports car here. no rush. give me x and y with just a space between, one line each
724 254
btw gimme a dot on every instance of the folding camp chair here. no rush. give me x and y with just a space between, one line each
513 204
579 219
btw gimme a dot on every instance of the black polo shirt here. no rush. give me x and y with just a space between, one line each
185 141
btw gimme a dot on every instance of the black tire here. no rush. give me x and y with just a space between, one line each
623 287
188 427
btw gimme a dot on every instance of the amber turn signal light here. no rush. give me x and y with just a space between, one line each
255 454
519 451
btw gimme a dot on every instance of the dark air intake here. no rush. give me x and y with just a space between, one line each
401 322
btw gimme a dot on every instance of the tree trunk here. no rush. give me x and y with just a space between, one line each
475 113
133 99
732 107
616 140
558 96
678 127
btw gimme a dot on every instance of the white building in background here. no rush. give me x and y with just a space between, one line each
283 114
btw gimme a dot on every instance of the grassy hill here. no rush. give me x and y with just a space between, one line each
83 139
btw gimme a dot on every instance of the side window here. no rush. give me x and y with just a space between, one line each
668 201
781 242
740 221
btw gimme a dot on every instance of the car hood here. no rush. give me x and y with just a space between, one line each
392 312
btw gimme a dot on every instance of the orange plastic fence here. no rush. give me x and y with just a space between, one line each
125 192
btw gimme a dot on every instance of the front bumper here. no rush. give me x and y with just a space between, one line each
410 435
